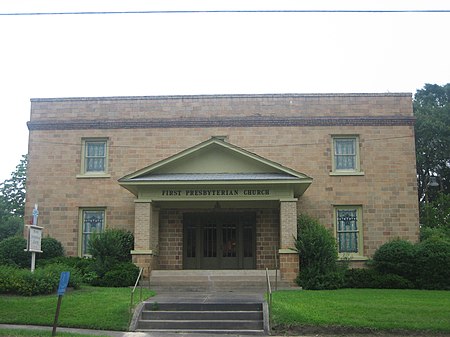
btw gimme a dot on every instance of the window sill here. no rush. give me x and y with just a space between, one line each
91 176
353 257
337 173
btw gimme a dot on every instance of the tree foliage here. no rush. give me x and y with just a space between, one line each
432 129
12 191
12 201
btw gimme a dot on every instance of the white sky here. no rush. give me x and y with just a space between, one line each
214 53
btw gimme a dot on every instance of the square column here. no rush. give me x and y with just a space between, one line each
289 259
146 236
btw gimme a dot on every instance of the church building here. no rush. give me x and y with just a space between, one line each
218 181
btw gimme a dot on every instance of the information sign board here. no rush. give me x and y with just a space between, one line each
34 239
63 282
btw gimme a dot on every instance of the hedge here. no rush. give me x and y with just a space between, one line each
13 251
370 278
402 264
42 281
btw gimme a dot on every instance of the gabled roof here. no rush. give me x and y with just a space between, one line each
214 162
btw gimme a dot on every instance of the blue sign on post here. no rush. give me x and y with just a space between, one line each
63 282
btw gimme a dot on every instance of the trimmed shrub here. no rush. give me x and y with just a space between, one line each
12 252
7 277
56 269
51 248
361 278
396 257
370 278
124 274
112 244
37 283
318 256
83 266
393 281
433 264
316 245
109 249
311 279
42 281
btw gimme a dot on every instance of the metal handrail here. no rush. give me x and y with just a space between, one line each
134 289
269 293
276 267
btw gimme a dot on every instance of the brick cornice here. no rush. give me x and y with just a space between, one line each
259 121
218 97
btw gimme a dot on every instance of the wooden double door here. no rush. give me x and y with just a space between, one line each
219 240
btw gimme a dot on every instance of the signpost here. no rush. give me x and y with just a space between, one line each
34 238
63 282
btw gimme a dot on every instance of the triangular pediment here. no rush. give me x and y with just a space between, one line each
212 161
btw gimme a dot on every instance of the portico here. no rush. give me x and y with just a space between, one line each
216 206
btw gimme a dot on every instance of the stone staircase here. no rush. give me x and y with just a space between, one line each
242 318
207 301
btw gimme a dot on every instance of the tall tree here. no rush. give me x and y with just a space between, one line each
12 201
432 112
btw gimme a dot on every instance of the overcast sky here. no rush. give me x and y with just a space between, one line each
210 53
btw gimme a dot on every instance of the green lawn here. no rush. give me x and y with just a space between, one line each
364 308
39 333
107 309
89 307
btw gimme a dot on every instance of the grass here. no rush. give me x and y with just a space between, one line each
364 308
107 309
90 307
40 333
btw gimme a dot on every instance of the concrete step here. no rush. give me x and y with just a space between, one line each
185 325
201 315
204 280
189 306
239 317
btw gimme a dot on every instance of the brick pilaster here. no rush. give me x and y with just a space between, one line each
146 237
142 225
289 259
288 224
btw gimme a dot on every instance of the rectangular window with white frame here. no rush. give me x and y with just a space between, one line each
92 221
94 157
348 228
346 155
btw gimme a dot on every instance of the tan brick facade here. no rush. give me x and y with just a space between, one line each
267 238
171 240
295 131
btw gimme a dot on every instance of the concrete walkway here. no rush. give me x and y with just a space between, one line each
115 333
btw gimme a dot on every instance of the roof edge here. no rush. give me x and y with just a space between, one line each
204 144
219 96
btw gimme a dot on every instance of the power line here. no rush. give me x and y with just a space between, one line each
375 11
